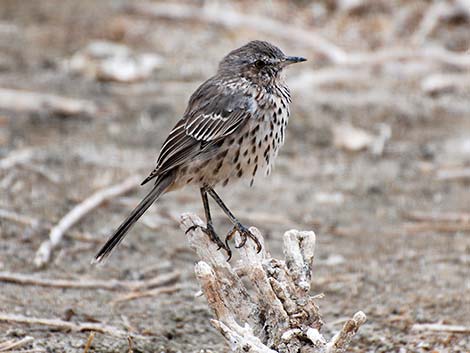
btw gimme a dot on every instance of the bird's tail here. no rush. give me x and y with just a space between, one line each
160 186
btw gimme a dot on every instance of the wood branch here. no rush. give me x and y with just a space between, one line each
441 328
89 342
16 157
14 344
44 252
18 218
434 14
83 283
402 103
272 310
19 100
439 83
231 19
420 216
38 224
67 325
137 294
223 16
454 174
439 227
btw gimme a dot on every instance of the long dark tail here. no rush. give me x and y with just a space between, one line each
160 186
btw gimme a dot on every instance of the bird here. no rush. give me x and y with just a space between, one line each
232 129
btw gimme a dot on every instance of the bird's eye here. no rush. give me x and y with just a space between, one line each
260 64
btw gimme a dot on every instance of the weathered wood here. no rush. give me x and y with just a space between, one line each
271 310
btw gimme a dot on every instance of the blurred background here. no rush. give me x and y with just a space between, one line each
376 162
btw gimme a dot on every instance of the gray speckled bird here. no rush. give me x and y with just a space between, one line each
233 127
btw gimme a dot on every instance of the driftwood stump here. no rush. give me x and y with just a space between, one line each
263 304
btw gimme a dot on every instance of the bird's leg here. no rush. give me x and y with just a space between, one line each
237 226
209 229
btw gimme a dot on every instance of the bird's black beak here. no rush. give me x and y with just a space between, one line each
294 59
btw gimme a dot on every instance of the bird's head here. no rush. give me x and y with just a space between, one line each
258 61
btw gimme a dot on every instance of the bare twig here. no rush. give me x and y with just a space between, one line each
89 342
440 227
226 17
18 100
44 252
37 223
454 174
342 338
66 325
12 344
16 157
441 328
280 300
147 293
420 216
108 284
18 218
130 344
437 83
232 19
435 13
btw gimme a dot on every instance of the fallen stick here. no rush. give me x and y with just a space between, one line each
420 216
148 293
19 100
108 284
441 328
12 344
231 19
439 227
37 223
18 218
16 157
67 325
223 16
437 83
44 252
89 342
454 174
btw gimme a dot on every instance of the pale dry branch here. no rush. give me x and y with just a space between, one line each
271 310
438 83
89 342
441 328
83 283
420 216
44 252
19 100
226 17
66 325
15 344
434 14
231 19
147 293
18 218
341 340
36 223
439 227
16 157
454 174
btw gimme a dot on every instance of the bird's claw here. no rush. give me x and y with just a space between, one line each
244 234
209 230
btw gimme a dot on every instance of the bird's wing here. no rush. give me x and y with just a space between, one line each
214 112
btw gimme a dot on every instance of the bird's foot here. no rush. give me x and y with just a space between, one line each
244 234
209 230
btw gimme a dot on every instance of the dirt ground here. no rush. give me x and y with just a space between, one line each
377 251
